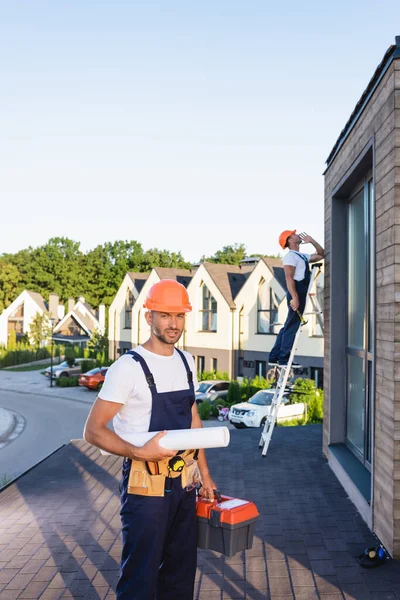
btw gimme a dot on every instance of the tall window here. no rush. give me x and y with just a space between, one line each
360 311
129 301
200 364
267 308
208 311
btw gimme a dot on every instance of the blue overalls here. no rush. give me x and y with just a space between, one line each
281 351
159 534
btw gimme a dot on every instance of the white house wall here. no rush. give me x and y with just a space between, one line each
220 339
310 346
30 310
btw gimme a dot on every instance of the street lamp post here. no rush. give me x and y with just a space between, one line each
52 321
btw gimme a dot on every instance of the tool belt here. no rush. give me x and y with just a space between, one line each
150 478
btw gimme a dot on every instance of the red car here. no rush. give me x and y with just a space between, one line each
93 379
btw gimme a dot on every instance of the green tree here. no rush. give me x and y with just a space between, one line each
40 329
12 340
11 284
162 258
98 344
229 255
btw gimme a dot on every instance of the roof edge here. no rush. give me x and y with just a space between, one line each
392 53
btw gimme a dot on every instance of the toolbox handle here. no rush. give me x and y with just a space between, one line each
218 495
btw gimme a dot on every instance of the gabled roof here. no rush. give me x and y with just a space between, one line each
38 298
89 308
183 276
229 279
276 267
138 279
87 323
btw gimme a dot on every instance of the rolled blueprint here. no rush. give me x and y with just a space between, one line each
183 439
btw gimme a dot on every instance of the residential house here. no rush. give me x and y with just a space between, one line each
210 328
19 314
76 326
237 312
362 303
261 310
80 322
127 325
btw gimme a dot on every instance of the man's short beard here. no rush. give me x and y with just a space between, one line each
163 339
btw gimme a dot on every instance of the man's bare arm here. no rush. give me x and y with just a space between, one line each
97 433
319 255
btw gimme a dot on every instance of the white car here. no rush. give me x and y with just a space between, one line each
211 389
64 370
254 412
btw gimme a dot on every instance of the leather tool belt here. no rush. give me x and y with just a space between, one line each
149 478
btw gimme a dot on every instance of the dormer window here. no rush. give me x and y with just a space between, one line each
208 310
129 302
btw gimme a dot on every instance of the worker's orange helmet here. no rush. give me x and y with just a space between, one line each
283 238
168 296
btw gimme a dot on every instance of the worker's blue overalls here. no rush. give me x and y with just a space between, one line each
284 342
159 534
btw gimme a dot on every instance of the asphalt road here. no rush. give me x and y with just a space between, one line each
50 423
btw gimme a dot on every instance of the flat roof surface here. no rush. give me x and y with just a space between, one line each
60 527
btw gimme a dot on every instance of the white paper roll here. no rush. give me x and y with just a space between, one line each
183 439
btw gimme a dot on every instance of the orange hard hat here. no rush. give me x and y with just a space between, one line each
283 238
168 296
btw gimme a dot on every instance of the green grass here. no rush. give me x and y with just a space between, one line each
292 422
30 368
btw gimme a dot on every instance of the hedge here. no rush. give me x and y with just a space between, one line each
67 381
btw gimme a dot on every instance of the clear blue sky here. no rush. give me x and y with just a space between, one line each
183 125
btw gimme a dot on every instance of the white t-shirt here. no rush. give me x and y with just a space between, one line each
294 259
126 384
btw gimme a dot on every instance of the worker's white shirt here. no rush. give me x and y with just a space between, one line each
126 384
294 259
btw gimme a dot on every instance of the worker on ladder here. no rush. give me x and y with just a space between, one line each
297 275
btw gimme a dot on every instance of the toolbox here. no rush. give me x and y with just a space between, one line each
225 525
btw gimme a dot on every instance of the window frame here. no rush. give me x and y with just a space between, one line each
208 312
271 298
129 302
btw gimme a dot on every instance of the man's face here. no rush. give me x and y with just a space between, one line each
294 239
167 327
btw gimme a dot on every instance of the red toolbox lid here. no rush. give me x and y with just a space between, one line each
231 510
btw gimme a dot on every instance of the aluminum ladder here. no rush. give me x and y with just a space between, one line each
284 371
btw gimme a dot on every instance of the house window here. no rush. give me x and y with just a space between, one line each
200 364
129 301
208 311
261 368
360 315
214 364
267 308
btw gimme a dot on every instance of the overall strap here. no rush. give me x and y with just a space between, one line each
147 373
307 271
188 369
301 256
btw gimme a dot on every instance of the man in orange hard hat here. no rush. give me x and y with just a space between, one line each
297 274
152 388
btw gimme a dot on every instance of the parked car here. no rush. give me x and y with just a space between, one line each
209 388
64 370
254 412
93 379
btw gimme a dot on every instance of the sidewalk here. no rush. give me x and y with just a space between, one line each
7 424
60 527
32 382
